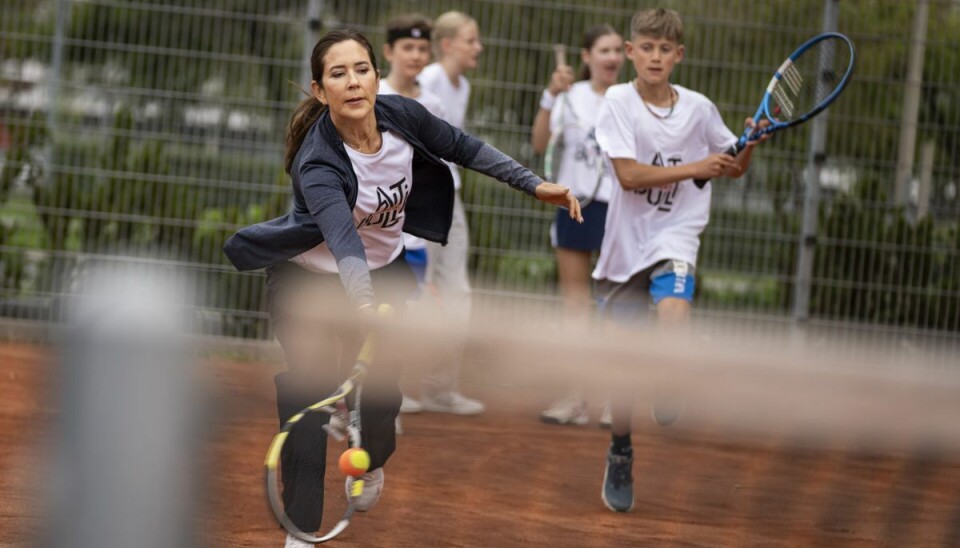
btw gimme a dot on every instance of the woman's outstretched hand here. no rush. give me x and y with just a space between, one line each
560 195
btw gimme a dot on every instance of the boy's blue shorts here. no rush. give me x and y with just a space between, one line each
631 300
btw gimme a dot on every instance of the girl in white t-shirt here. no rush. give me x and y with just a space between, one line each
562 104
456 45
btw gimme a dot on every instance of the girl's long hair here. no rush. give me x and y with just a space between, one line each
590 37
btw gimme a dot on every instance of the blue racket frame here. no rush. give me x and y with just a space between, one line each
763 110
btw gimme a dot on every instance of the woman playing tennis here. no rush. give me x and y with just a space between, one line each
364 169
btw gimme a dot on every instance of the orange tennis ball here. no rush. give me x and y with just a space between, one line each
354 462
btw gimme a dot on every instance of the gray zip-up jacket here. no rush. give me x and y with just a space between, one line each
325 192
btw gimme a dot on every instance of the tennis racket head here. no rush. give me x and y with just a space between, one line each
806 83
809 80
583 149
553 156
336 503
342 424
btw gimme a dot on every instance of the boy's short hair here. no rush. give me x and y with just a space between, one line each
411 25
657 23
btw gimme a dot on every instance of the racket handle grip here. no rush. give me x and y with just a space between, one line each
732 151
560 55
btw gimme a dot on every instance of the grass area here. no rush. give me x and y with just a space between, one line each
730 290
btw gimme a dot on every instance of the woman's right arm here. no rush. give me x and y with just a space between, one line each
560 82
327 202
540 136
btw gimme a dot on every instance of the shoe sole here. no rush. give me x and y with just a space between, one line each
603 497
448 411
579 421
666 419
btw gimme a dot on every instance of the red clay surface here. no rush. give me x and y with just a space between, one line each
504 479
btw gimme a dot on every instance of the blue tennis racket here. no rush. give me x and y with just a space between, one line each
804 85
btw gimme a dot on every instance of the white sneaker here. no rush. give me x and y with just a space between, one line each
294 542
606 418
410 405
451 402
372 488
566 411
667 408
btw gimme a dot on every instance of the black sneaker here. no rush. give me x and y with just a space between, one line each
618 483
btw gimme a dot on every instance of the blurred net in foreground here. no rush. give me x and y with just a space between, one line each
785 436
771 381
784 440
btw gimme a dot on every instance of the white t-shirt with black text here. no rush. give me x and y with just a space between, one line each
384 180
647 226
434 105
455 98
581 157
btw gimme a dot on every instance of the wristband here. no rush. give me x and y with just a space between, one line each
547 100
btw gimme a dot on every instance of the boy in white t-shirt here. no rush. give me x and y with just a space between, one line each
659 138
456 44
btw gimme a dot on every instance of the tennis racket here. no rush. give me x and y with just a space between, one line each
342 421
805 84
572 134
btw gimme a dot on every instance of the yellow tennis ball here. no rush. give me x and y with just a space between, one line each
354 462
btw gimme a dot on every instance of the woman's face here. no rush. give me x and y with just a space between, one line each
605 59
465 47
350 81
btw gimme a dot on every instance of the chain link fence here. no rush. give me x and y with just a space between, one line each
150 130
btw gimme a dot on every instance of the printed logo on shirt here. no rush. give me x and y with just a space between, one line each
390 204
588 150
661 198
588 153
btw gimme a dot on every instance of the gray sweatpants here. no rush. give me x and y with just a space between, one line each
447 272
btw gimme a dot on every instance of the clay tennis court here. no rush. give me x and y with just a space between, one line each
504 479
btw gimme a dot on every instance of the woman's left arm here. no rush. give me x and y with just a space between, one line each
454 145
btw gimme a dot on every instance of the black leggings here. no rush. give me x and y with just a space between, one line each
303 459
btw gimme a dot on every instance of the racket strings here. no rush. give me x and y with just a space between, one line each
811 79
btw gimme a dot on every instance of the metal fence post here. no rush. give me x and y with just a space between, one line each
816 156
906 151
53 89
310 37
